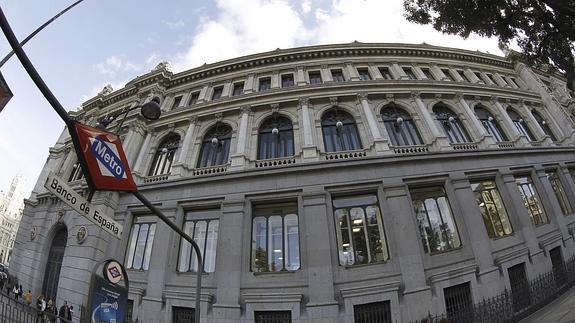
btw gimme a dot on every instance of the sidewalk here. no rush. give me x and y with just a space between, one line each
561 310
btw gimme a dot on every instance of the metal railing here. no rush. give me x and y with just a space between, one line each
510 307
17 311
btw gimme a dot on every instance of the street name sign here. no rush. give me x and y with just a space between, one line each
105 159
77 202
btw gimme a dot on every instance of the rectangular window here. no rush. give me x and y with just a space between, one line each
558 266
194 98
492 209
217 92
511 81
202 226
385 73
238 89
448 74
364 74
463 76
519 287
409 72
129 310
77 173
287 80
434 219
531 200
478 75
315 77
140 246
337 76
559 192
427 74
458 303
182 314
359 230
379 312
272 316
275 238
265 84
177 102
490 77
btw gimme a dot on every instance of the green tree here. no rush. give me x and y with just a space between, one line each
544 30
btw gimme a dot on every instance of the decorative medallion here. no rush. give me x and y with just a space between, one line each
33 233
82 234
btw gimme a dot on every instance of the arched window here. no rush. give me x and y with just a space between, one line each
339 131
490 124
216 146
520 124
400 126
54 263
165 155
76 173
452 127
543 124
275 138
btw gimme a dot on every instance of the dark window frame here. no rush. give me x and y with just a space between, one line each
215 153
276 145
133 244
164 156
452 126
404 133
344 138
287 80
490 123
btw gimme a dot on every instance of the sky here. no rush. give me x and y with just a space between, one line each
102 42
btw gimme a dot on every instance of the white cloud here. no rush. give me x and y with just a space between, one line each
306 6
98 88
174 25
113 65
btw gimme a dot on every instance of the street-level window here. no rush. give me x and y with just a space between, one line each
490 124
337 76
265 84
238 89
275 138
162 163
364 74
275 238
544 124
434 219
520 124
386 73
519 287
458 303
448 74
202 226
215 146
339 131
531 200
378 312
77 173
409 72
177 101
492 209
140 246
272 316
400 126
287 80
217 94
194 98
559 192
359 230
182 314
315 77
451 124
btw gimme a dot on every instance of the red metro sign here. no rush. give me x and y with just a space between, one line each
104 155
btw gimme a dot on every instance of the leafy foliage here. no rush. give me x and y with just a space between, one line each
543 29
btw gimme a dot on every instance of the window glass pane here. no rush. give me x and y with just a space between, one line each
385 73
357 216
376 234
559 192
238 89
186 248
177 101
447 74
275 243
211 244
531 200
346 254
315 78
132 245
492 209
259 242
140 246
149 244
200 239
292 242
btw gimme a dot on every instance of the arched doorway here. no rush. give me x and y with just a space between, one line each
54 264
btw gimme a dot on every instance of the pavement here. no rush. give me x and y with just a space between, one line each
561 310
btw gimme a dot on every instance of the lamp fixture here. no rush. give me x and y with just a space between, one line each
451 119
275 131
399 120
339 125
521 120
490 118
215 141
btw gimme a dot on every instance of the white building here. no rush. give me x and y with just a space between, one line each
11 208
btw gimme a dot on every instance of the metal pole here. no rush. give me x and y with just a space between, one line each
7 57
171 224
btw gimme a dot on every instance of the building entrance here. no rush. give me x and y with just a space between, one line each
54 264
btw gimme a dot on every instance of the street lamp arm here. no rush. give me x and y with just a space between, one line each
150 110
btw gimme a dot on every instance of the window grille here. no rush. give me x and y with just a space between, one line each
339 131
359 229
337 76
451 124
400 126
490 124
77 173
287 80
275 138
182 315
378 312
531 200
164 156
129 311
559 192
140 246
458 303
519 287
272 316
520 124
315 77
492 209
215 146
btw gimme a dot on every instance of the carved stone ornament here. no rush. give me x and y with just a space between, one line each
333 100
304 101
82 234
493 99
362 96
218 116
275 107
163 66
246 109
61 216
32 233
106 90
415 95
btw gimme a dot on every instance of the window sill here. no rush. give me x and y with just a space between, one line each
364 265
270 273
444 252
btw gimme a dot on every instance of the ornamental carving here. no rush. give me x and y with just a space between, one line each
333 100
303 101
81 235
106 90
275 107
218 116
245 109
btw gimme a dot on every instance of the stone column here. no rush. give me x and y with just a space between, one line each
481 134
437 72
68 162
471 76
416 292
314 226
187 140
511 130
380 143
229 260
373 70
309 148
455 74
439 138
142 154
249 85
499 80
275 81
204 94
300 76
238 159
397 72
351 72
326 74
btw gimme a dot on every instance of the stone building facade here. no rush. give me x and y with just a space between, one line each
11 208
321 182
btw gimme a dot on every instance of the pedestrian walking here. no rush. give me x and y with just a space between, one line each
40 307
64 312
71 315
15 292
28 297
20 292
52 311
